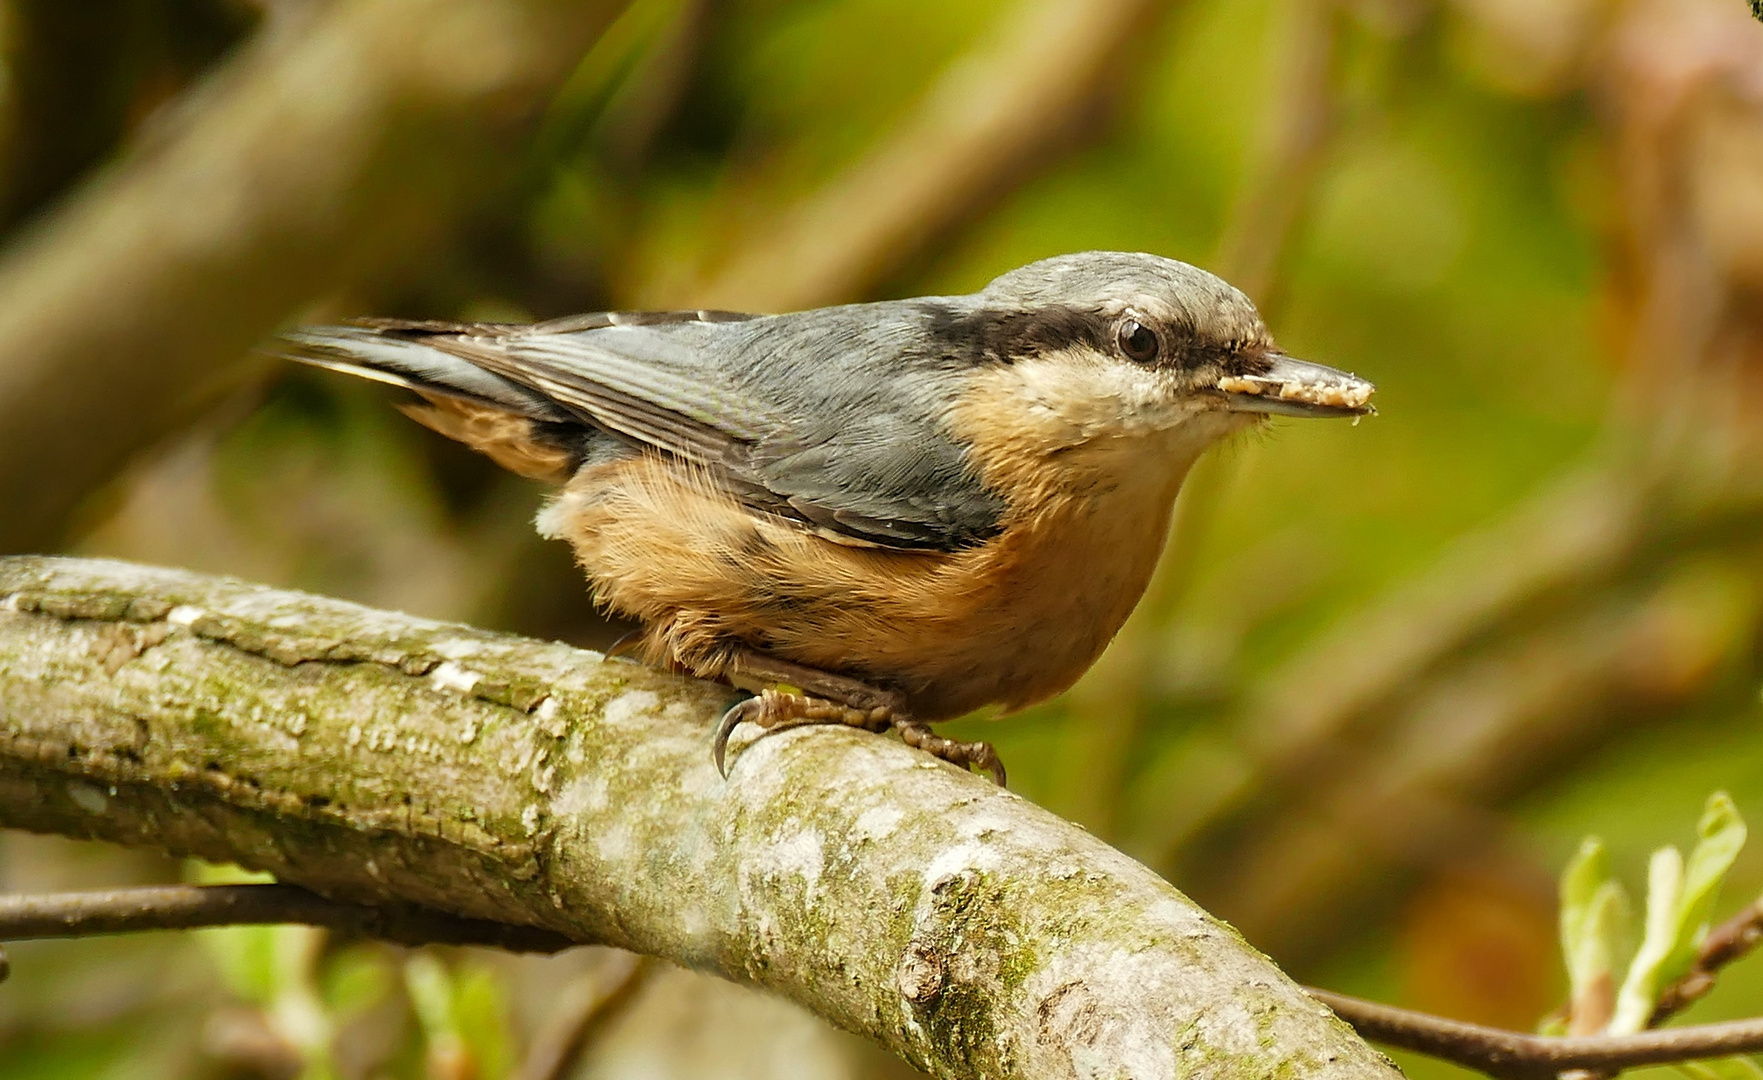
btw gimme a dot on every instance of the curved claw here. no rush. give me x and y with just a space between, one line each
725 727
994 765
628 642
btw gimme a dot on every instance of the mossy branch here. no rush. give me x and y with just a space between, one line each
378 758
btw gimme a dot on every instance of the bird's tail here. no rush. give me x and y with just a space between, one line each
427 357
517 427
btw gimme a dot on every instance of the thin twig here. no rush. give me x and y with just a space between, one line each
589 1007
1513 1055
185 907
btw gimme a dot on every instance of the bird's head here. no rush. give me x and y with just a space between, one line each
1110 360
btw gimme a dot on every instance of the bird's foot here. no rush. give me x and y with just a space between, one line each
775 710
968 755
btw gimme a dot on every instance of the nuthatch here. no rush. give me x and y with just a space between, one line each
883 515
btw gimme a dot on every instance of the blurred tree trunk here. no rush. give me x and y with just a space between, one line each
325 151
77 77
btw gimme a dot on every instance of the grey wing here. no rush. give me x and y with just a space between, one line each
782 423
883 477
646 387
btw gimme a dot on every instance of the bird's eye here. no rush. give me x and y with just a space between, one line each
1137 341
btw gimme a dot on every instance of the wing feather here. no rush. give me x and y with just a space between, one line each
850 470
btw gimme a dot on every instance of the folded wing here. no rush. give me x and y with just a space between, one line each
868 470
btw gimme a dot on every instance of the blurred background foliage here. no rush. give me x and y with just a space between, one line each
1391 673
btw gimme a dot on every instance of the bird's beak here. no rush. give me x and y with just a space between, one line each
1294 387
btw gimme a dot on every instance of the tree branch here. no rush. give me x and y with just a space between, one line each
1512 1055
377 758
187 907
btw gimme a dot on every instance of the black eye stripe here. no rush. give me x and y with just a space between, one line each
1002 335
1006 335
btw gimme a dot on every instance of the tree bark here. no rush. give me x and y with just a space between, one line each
376 757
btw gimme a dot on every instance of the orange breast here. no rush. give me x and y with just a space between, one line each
1011 622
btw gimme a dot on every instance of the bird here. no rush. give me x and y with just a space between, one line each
882 515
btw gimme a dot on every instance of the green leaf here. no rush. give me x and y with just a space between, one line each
1634 1004
1594 933
1606 942
1680 903
1722 833
1586 872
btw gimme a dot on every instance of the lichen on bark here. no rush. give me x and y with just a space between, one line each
373 756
